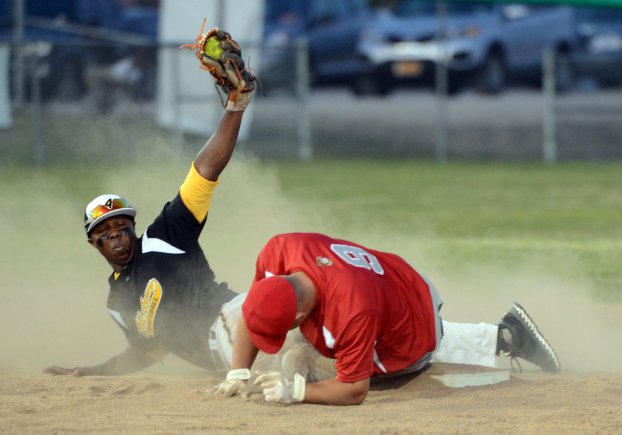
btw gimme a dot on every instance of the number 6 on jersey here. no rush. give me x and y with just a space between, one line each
358 257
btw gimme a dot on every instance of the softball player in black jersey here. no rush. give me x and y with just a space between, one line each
163 293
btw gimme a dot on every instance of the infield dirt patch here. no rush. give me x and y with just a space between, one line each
532 402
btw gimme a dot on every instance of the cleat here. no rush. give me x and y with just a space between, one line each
525 340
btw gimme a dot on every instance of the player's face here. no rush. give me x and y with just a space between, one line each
114 238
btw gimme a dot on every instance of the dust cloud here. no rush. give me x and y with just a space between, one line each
54 285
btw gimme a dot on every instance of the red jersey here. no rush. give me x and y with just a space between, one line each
374 312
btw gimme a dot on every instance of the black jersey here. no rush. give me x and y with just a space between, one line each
167 295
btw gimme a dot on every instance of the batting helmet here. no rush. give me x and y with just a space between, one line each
104 207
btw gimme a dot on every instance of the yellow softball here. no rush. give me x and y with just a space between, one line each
212 48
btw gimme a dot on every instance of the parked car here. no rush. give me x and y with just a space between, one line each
61 38
599 56
332 29
486 45
377 45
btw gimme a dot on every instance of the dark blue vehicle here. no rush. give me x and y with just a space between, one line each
332 28
375 45
62 36
599 56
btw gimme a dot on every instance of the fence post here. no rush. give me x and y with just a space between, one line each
37 110
18 45
178 128
440 79
549 142
6 114
305 150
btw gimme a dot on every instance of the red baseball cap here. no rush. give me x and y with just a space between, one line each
269 311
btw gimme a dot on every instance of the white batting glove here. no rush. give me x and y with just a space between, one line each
234 383
277 388
241 104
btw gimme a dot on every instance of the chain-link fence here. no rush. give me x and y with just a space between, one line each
81 102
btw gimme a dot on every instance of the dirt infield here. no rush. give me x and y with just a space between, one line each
54 292
532 402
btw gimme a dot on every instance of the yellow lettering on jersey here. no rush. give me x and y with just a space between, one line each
149 302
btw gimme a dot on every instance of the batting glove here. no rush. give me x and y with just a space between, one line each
277 388
234 383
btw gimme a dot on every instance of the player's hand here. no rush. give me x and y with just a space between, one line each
277 388
234 383
55 370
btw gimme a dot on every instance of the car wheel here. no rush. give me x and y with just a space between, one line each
492 75
314 77
564 72
368 85
455 84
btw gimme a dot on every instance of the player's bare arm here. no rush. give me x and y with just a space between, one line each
221 56
211 160
244 355
276 387
244 351
334 392
129 361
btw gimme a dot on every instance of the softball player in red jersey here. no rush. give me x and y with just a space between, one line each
374 313
368 310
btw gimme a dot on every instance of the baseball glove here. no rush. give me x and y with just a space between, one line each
221 56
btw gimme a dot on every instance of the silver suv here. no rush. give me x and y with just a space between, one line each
487 44
373 46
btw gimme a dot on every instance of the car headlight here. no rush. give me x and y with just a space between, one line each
369 36
465 32
278 39
605 42
39 49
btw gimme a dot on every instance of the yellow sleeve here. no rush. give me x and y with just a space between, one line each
196 193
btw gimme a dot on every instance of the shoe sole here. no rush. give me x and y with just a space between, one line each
527 321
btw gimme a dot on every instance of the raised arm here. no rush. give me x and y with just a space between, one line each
211 160
221 56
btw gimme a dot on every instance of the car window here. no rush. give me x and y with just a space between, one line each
343 8
279 11
359 4
328 10
516 12
321 10
413 8
600 15
470 7
282 11
355 6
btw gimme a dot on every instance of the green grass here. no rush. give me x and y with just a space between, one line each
577 202
567 216
565 219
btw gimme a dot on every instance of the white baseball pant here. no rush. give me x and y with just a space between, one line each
222 334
